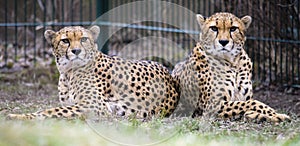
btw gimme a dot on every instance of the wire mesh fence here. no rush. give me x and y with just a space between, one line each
272 39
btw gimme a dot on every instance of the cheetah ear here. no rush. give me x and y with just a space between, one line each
49 35
200 19
95 30
247 21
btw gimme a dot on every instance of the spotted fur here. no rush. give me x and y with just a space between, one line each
92 82
215 80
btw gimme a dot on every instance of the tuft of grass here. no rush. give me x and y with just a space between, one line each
49 132
169 131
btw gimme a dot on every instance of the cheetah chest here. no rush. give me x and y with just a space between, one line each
80 86
224 80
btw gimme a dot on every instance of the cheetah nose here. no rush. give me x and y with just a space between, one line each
76 51
223 42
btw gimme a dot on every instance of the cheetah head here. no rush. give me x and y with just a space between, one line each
223 34
73 46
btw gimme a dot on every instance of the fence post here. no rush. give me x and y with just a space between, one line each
101 8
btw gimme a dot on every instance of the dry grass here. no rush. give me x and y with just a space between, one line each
29 91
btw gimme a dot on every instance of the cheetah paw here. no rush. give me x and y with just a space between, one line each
280 118
252 115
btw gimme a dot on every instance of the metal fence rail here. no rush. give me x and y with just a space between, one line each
273 40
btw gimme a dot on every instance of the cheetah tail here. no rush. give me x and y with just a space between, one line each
57 112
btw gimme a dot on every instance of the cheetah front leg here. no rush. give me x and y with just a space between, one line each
251 110
57 112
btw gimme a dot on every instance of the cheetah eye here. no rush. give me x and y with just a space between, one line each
83 39
233 28
213 28
65 41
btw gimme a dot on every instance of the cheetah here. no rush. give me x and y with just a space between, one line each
92 82
215 79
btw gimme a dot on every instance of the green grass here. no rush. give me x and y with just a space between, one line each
179 131
50 132
19 94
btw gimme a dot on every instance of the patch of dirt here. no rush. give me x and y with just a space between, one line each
282 99
28 90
